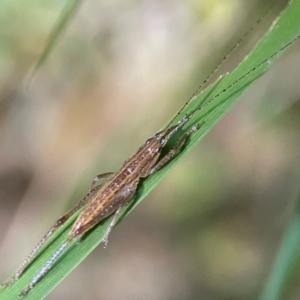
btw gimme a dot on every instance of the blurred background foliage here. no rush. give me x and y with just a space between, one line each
117 73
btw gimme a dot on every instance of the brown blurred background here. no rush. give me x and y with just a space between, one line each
118 72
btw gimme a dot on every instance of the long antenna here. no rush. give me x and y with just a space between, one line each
240 40
190 116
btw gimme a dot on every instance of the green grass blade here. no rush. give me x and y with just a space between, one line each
284 263
283 31
63 19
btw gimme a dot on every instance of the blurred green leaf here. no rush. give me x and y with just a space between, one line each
286 29
285 260
63 19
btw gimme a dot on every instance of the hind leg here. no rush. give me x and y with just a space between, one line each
46 237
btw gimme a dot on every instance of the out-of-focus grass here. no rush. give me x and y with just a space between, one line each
282 32
285 263
65 16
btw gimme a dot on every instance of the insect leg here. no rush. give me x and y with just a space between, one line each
125 200
112 224
173 151
45 267
121 199
107 176
57 225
